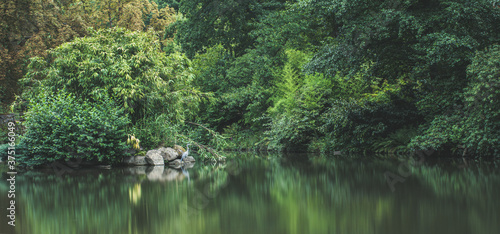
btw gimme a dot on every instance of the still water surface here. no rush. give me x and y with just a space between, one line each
261 194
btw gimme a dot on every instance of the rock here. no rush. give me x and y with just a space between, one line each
186 164
103 166
135 160
175 164
189 159
168 153
155 173
138 170
153 157
180 150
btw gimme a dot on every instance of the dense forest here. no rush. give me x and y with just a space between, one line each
362 76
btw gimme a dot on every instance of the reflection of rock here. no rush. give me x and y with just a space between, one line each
153 157
171 174
138 170
188 165
135 160
178 164
155 173
175 164
159 173
168 153
103 166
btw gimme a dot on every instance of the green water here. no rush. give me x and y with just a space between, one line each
261 194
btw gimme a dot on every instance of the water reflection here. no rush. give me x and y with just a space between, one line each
159 173
261 194
186 173
134 193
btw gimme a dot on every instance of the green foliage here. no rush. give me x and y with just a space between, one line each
243 139
206 142
59 127
328 75
170 3
482 103
395 142
428 42
289 81
476 124
154 131
128 66
349 113
362 125
210 71
418 52
225 22
444 132
210 68
152 87
295 117
240 86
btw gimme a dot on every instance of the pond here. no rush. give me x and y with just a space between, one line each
262 194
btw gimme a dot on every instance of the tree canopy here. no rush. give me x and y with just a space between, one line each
316 75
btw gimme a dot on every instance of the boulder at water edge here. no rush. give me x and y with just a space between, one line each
153 157
168 153
135 160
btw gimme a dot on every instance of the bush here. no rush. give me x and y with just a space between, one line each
475 125
61 128
482 98
128 66
363 125
155 131
294 121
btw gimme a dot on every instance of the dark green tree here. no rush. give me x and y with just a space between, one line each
425 45
475 125
225 22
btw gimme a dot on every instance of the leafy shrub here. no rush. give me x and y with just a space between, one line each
361 125
128 66
4 152
443 133
154 131
294 121
476 125
61 128
240 139
482 98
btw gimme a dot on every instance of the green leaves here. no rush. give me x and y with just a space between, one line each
475 124
128 66
59 127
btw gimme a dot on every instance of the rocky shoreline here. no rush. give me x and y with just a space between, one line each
160 157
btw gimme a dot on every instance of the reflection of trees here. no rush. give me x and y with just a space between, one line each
270 194
104 202
351 196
